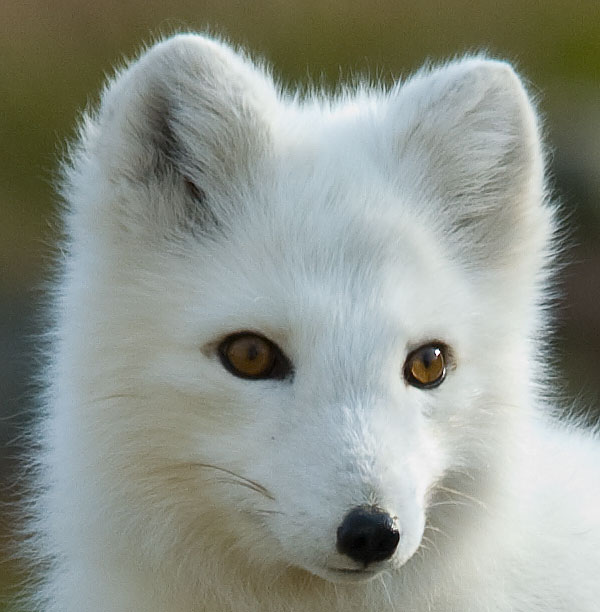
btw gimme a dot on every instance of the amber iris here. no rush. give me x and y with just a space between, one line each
426 366
250 355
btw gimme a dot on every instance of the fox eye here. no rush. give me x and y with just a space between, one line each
249 355
425 367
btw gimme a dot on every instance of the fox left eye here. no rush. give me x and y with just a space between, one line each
425 367
252 356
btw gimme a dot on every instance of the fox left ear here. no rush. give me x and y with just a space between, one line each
177 131
468 134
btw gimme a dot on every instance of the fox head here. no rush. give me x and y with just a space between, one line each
296 332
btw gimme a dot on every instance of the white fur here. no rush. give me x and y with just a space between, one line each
203 201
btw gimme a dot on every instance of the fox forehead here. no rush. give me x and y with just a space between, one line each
290 275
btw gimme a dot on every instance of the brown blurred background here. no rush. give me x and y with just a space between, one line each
54 56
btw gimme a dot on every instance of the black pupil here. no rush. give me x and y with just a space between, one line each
252 352
429 356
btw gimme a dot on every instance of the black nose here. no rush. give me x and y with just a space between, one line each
367 535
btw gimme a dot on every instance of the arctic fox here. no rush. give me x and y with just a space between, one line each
300 358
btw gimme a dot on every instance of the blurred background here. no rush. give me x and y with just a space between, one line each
54 57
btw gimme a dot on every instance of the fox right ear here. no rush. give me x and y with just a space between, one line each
176 129
467 134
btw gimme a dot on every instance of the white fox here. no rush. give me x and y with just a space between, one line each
300 357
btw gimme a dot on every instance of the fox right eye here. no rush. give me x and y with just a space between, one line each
252 356
425 368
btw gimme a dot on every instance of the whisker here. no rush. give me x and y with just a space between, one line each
241 483
461 494
241 480
464 473
437 530
432 542
112 396
448 502
387 593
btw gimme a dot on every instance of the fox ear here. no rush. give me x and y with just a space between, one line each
468 133
174 132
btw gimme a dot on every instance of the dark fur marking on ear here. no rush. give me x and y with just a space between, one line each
193 213
163 138
197 213
194 191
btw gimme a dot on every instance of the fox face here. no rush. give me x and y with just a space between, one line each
308 317
319 413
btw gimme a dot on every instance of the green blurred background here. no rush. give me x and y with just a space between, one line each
54 55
